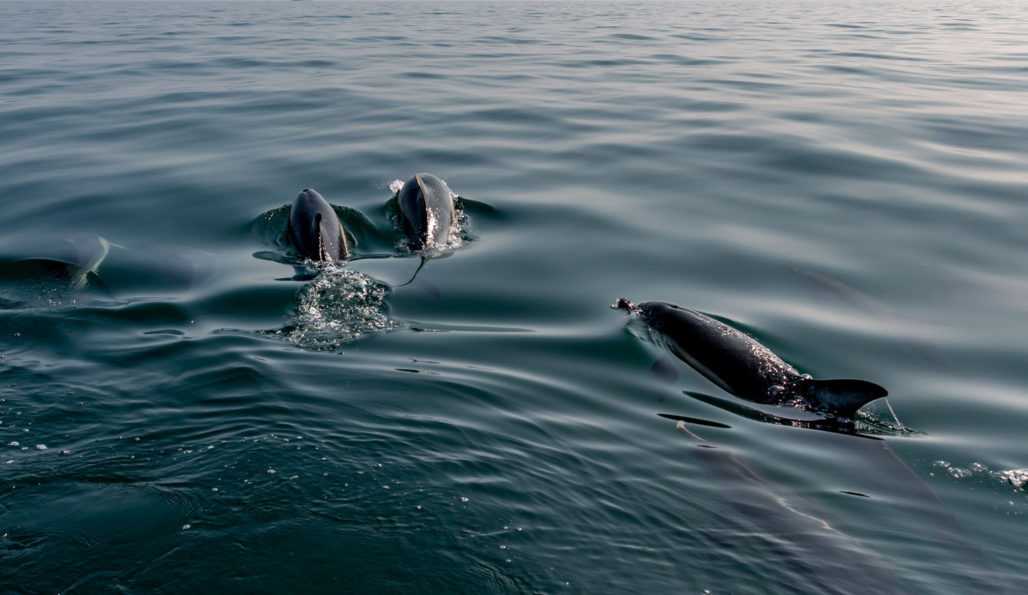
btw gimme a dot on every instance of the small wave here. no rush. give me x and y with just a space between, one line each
339 306
1018 478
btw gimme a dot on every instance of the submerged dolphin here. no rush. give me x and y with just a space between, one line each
427 212
76 260
743 367
797 532
314 228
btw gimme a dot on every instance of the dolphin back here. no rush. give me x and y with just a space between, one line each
727 357
843 397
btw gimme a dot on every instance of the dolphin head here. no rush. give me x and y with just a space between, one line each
314 228
427 211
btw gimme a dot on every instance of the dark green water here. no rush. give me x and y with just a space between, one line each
846 182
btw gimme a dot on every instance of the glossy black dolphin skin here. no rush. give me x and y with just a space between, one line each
743 367
314 228
427 213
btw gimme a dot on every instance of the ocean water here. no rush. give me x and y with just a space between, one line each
845 181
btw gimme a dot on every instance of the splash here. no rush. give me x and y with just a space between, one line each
337 307
1018 478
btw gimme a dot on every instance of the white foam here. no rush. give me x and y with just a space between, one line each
337 307
1018 478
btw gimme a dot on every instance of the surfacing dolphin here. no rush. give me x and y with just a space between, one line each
314 228
76 259
427 212
743 367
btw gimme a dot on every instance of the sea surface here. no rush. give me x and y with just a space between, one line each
184 408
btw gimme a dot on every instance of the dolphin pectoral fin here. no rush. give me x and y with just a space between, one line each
665 369
844 397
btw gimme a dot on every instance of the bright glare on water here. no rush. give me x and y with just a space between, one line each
187 408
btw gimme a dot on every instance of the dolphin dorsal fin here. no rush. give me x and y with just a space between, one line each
844 397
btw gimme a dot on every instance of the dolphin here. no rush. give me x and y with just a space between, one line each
798 532
743 367
427 212
76 259
896 495
314 228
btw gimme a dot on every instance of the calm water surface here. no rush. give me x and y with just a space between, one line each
844 181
